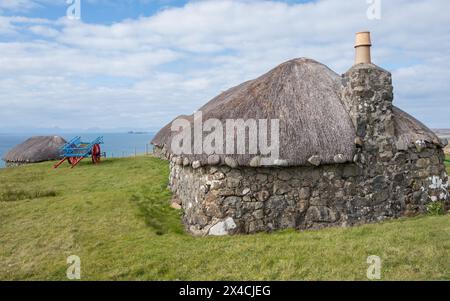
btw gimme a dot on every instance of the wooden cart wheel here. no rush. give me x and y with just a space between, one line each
72 160
96 153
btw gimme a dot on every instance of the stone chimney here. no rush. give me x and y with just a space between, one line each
368 94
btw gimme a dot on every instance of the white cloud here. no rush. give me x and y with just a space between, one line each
144 72
17 5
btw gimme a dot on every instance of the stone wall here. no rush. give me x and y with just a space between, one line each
15 164
221 200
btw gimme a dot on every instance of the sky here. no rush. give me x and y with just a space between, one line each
137 64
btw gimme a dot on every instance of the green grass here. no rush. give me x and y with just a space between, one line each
117 219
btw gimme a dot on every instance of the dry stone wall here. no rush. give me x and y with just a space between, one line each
220 200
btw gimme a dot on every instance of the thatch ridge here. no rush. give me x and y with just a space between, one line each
36 149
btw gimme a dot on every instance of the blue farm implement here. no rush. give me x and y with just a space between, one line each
75 150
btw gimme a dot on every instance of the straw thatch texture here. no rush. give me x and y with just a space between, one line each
306 97
36 149
408 129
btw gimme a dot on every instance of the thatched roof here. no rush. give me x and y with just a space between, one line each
305 96
36 149
408 129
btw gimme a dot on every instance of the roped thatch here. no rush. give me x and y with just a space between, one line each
305 96
36 149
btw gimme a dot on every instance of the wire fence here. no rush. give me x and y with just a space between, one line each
137 151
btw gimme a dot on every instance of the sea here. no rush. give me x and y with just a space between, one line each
116 145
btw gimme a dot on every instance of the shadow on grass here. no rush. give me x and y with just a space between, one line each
154 208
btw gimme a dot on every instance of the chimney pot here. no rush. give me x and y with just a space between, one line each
362 48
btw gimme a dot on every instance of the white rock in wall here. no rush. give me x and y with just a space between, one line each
196 164
315 160
420 145
223 227
339 158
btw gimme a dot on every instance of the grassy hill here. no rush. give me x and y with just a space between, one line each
117 219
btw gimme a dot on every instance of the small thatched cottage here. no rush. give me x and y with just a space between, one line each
346 155
35 149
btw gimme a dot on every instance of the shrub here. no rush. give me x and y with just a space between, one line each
435 208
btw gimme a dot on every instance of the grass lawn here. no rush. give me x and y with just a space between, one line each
117 219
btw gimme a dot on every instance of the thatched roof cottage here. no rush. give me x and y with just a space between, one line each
344 154
35 149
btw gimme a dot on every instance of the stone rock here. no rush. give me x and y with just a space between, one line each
219 176
223 227
196 164
246 191
304 193
359 142
339 158
231 201
186 161
213 160
204 189
386 156
315 160
447 150
179 161
350 171
420 145
262 196
443 142
255 161
195 231
175 206
398 178
321 214
258 214
281 188
423 163
400 158
260 177
233 182
176 200
401 145
231 162
284 175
